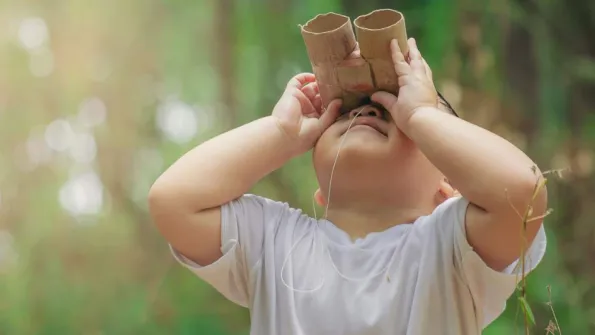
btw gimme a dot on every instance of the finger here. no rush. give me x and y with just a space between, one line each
310 90
301 80
317 103
415 60
387 100
331 114
402 68
305 104
428 71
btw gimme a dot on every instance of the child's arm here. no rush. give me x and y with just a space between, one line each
486 169
185 201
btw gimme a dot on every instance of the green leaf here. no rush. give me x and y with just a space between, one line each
527 309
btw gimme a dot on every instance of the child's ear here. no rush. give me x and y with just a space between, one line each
319 198
445 192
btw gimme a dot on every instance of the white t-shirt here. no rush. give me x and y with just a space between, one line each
303 276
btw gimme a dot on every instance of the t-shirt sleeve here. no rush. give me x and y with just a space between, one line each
490 289
244 223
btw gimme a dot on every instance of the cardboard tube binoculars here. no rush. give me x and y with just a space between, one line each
342 73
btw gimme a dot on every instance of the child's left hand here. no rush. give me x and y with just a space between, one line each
416 87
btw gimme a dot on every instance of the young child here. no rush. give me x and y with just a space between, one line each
396 252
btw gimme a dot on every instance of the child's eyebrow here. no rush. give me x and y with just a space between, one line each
445 103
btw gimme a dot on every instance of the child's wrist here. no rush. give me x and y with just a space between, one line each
425 119
418 114
289 141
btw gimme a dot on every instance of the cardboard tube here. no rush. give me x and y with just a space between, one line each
329 40
355 79
374 33
340 71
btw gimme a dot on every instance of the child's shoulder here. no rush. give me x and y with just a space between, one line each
267 209
452 209
446 218
266 203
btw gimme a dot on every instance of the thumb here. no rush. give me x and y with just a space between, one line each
330 114
387 100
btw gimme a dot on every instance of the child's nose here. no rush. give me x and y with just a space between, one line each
370 111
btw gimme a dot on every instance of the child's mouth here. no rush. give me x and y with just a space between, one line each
368 122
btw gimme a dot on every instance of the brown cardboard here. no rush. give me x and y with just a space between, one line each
343 71
374 32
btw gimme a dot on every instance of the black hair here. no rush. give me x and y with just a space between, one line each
446 104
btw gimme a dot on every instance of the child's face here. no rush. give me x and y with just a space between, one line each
376 160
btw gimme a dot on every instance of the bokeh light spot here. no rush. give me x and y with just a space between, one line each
177 120
82 194
59 135
92 112
33 33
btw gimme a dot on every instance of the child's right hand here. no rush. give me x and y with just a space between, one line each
299 113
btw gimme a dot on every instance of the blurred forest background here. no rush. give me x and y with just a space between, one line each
97 98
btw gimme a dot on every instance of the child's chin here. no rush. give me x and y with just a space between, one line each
364 155
365 145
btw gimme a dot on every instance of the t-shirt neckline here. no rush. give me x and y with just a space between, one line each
373 240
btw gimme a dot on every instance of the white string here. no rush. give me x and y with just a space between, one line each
328 201
314 208
319 286
330 182
381 271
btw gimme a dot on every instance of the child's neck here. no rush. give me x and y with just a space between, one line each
360 221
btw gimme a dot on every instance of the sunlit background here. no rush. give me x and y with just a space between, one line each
97 98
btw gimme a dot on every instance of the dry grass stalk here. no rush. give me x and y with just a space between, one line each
527 217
